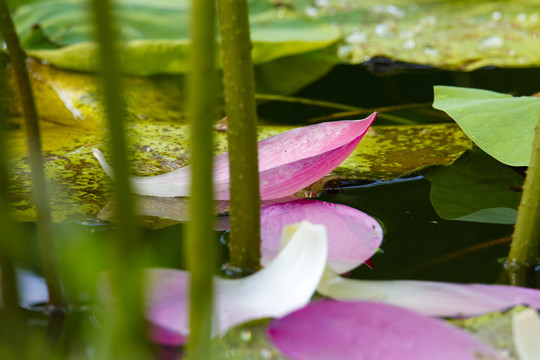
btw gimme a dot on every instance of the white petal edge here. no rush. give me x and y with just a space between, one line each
283 286
426 297
526 333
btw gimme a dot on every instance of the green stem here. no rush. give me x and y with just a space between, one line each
39 188
129 326
353 114
522 258
11 327
8 283
242 135
351 111
306 101
201 241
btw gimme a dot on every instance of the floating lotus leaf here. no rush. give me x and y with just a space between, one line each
80 186
501 125
456 35
72 123
154 34
476 188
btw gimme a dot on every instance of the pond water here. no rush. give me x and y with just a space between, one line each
418 243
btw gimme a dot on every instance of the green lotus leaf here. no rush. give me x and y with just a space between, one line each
501 125
455 35
476 188
452 34
154 35
81 187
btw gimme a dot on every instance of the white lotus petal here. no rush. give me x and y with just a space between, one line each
285 285
526 331
428 297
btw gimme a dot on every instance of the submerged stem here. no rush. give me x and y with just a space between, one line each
201 241
522 258
242 135
44 222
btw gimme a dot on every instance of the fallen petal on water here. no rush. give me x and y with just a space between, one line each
366 330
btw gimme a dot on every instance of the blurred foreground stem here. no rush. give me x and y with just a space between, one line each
522 260
201 241
11 330
242 135
44 222
129 336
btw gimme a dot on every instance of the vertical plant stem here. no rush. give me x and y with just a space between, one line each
242 134
129 329
11 327
522 258
39 188
201 244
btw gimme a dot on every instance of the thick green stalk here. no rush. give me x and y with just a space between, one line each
39 188
201 242
522 259
129 336
242 134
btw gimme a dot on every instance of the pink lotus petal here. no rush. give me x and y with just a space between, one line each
288 162
428 297
353 236
371 331
284 285
167 299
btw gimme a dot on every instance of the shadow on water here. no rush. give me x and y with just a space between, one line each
418 244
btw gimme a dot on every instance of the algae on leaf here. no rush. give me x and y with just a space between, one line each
72 123
388 152
81 185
